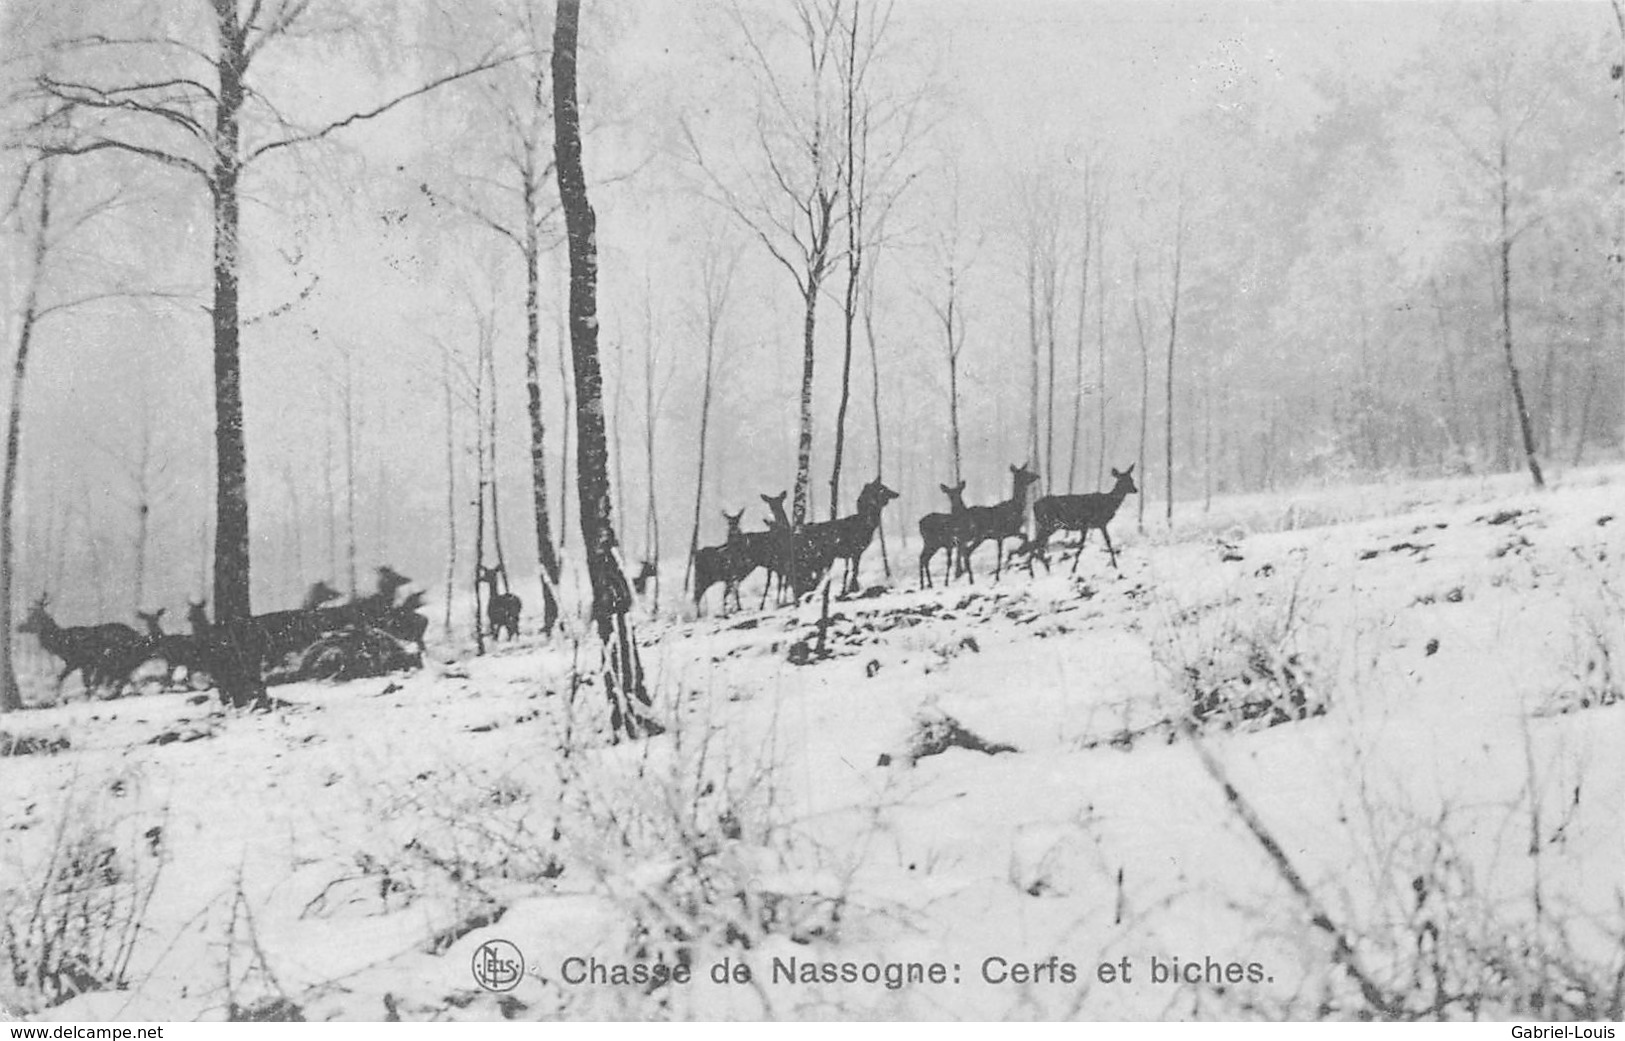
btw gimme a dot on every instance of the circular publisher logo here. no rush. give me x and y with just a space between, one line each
498 965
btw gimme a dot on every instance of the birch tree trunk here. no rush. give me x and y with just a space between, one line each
623 677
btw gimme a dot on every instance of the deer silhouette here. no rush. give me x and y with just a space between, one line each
96 652
998 522
1081 513
774 549
845 538
728 563
502 608
943 531
647 571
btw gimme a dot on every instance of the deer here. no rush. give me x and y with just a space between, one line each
502 609
1080 513
278 633
404 622
942 531
771 549
1004 520
846 538
728 563
177 651
94 651
647 571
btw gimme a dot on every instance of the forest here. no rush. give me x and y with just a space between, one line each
596 345
913 243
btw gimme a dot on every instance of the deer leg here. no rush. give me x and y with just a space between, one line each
1108 537
1081 540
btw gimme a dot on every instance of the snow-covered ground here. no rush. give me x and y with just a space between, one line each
1024 787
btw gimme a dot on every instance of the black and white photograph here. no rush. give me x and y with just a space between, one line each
808 510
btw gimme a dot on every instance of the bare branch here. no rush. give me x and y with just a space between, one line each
90 96
286 306
102 144
376 111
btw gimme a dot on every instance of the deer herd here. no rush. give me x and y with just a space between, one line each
799 560
369 635
378 632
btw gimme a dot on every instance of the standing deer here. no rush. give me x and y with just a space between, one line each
94 651
943 531
502 609
773 549
998 522
1079 513
647 571
153 622
847 537
728 563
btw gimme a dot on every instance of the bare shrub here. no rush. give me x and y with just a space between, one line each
72 912
1240 663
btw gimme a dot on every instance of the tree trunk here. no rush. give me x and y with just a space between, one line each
10 694
1145 385
1524 425
705 437
491 461
564 437
349 476
1100 348
804 431
651 426
611 597
1619 174
1173 336
545 554
231 553
479 505
1032 343
1079 391
874 387
451 495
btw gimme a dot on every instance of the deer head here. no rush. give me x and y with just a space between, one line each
875 495
1124 481
152 619
38 621
1021 477
318 594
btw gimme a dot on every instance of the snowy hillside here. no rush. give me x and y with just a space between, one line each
1413 694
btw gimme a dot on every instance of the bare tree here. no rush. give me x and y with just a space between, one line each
872 184
1145 386
513 202
182 121
1618 74
947 307
45 231
717 267
624 682
40 232
790 201
1093 223
1173 339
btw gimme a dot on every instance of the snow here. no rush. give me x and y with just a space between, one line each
351 850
